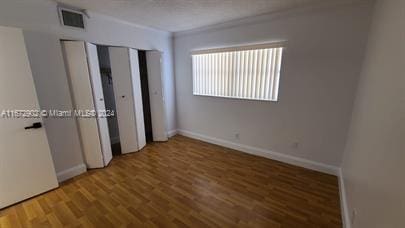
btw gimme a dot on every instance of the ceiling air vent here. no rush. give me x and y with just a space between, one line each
71 18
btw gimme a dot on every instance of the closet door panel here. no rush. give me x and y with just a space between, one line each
121 76
137 94
157 105
98 96
81 91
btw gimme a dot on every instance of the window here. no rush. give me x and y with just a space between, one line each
249 72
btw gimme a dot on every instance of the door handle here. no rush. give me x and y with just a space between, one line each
34 126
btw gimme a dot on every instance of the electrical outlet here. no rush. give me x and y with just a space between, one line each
295 145
237 136
353 216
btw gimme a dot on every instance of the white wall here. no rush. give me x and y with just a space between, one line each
40 22
319 75
53 93
374 159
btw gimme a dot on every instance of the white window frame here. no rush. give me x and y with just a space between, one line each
232 55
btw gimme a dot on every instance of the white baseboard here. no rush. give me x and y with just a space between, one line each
71 172
172 133
343 201
115 140
329 169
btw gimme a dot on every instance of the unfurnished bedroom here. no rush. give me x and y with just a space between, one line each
202 113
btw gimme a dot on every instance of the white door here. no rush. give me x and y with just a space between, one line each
157 103
124 100
81 90
95 76
137 93
26 167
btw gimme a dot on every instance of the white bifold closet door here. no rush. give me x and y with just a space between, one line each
128 98
137 93
85 83
156 95
98 96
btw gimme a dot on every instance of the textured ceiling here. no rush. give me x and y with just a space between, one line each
180 15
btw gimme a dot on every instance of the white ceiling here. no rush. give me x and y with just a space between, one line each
180 15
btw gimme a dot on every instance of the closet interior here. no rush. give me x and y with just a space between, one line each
109 98
143 69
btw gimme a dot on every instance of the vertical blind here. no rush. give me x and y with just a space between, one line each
244 72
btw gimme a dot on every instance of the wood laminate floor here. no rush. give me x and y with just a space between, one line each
186 183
